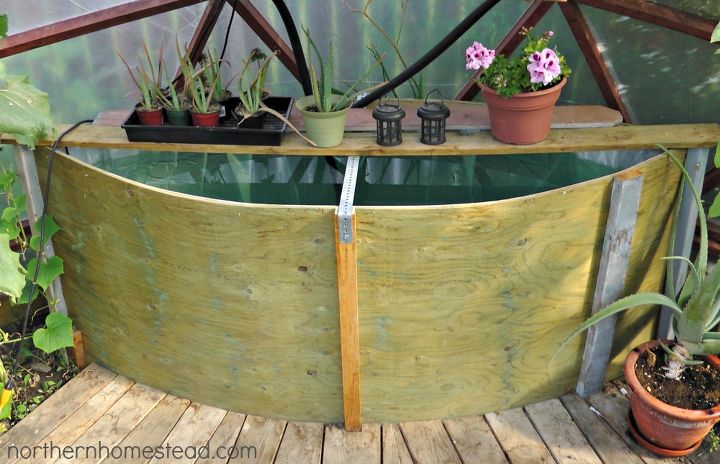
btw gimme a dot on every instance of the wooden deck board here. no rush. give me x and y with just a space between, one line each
98 406
560 434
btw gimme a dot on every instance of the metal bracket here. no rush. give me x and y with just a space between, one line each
345 208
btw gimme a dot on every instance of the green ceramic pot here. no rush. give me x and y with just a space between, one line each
325 129
178 118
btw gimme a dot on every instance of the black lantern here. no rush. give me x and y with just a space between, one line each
389 123
432 116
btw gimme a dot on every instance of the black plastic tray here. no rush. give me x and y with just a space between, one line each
227 133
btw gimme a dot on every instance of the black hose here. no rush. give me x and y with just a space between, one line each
296 45
430 56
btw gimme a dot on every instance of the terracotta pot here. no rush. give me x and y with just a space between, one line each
150 117
523 119
667 428
206 119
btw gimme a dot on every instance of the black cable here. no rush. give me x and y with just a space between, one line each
9 384
227 31
430 56
291 29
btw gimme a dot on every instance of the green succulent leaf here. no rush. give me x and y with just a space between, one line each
3 26
56 334
51 228
25 111
12 274
49 271
715 37
714 210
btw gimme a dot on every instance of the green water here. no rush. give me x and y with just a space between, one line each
298 180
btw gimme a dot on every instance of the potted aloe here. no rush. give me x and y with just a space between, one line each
149 110
210 66
520 91
324 112
675 402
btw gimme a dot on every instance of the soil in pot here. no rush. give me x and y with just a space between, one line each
699 387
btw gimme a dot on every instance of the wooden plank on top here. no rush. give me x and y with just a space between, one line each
193 430
474 440
560 434
343 447
259 439
54 410
81 420
518 437
301 444
87 23
614 408
606 443
429 442
394 448
152 430
114 425
225 436
480 143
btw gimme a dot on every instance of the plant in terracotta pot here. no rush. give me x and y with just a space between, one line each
210 66
520 91
204 111
147 80
324 111
675 384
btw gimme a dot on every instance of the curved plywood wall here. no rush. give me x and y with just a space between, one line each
235 305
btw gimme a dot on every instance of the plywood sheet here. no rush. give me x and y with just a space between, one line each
228 304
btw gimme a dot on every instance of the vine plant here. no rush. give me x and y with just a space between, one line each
25 113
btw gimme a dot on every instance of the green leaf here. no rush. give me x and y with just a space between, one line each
25 111
51 228
3 26
12 274
25 297
715 37
56 334
49 271
714 210
6 410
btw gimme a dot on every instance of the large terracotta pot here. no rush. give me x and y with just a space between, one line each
674 430
523 119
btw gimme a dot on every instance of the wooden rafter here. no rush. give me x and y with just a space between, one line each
661 15
267 34
591 52
85 24
509 43
202 34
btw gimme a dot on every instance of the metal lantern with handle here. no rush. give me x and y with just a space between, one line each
389 123
432 120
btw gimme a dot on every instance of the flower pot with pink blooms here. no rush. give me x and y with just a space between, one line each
520 91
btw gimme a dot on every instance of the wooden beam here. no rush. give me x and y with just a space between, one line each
85 24
267 34
624 204
594 58
346 253
509 43
204 29
661 15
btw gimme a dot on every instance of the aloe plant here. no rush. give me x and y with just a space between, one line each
210 65
147 80
251 91
321 80
696 309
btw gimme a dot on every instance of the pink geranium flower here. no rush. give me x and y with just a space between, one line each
477 56
544 67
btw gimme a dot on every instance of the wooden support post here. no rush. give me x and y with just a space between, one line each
27 173
594 58
624 204
267 34
346 252
656 13
695 164
78 350
509 43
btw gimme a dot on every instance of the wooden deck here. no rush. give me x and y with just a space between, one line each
101 407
